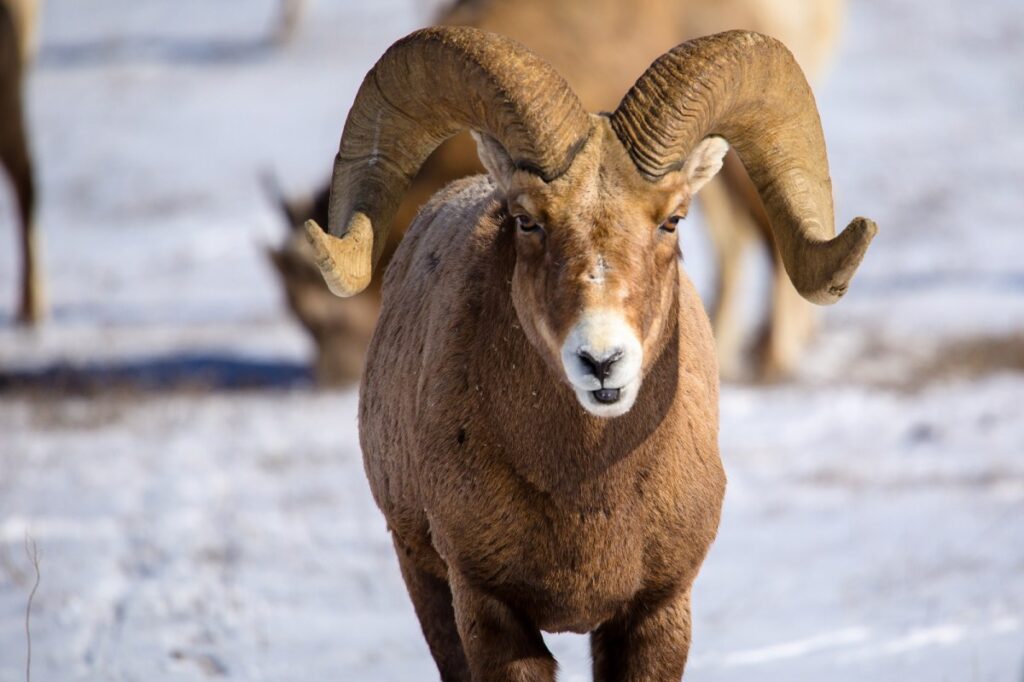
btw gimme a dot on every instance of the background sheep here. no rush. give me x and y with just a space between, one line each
600 48
17 45
525 309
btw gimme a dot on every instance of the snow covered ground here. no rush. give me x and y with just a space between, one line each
874 523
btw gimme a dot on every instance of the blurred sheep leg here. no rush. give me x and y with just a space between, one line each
790 326
288 18
731 233
736 221
15 46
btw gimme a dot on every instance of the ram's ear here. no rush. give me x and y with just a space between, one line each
495 159
704 161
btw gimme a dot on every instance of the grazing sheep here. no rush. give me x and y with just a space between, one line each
600 47
17 44
539 409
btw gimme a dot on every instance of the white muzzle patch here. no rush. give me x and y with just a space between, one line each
602 358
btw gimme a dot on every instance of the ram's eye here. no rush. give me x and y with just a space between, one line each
670 224
525 223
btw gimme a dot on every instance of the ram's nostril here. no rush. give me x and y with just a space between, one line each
601 367
588 362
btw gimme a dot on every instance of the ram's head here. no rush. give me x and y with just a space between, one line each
594 199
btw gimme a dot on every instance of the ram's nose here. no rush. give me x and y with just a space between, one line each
600 364
602 356
601 349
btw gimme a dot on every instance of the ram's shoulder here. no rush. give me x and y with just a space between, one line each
451 221
456 225
459 204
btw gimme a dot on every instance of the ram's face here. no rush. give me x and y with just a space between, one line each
597 266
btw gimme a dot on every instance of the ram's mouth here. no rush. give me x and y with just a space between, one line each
607 396
608 402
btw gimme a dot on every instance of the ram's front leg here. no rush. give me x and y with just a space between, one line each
500 644
650 644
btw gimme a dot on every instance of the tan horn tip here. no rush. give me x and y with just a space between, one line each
850 245
345 262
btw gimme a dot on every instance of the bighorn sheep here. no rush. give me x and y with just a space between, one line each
538 414
17 44
600 47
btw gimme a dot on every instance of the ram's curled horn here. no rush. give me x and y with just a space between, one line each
428 86
748 88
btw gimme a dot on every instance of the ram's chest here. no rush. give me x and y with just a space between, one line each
569 569
569 560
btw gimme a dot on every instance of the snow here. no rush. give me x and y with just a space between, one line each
874 522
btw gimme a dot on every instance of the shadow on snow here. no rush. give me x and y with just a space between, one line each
184 371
